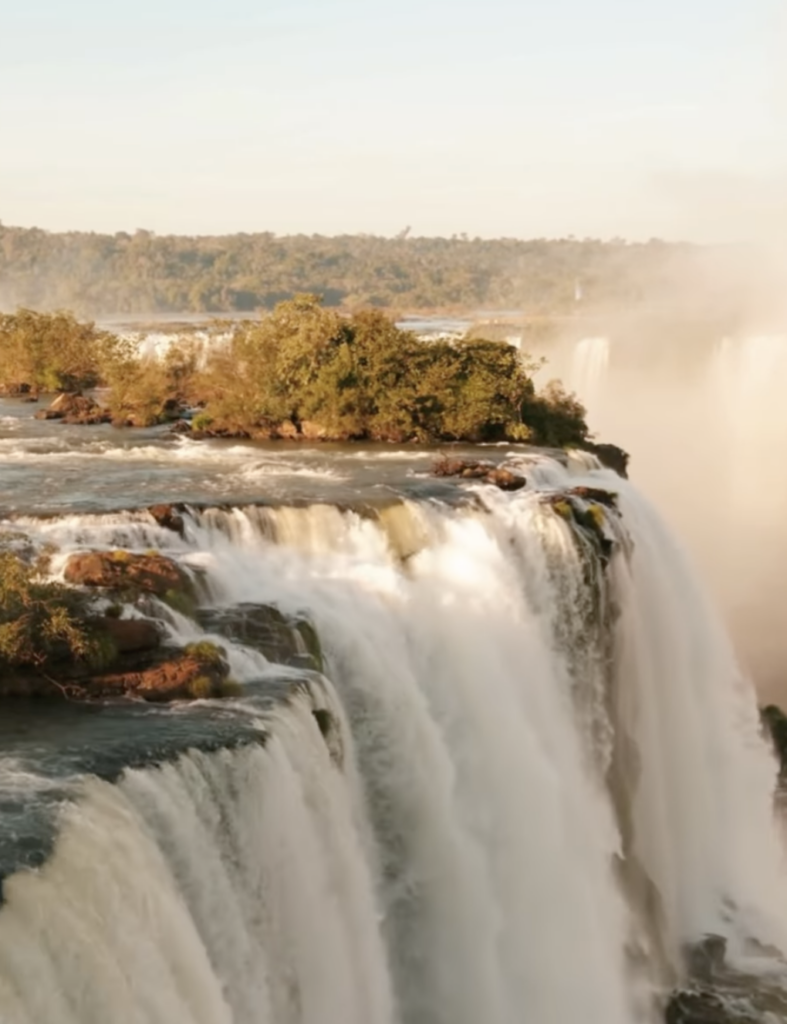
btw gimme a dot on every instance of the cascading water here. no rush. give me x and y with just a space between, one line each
588 369
546 779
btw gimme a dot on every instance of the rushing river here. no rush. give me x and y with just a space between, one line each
528 776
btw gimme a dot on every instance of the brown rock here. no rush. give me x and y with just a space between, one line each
484 471
611 456
603 497
287 430
132 635
311 431
168 517
73 407
505 479
197 672
152 573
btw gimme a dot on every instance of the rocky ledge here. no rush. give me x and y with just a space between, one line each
103 634
482 472
75 408
718 993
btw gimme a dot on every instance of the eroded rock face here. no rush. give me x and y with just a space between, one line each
74 408
151 573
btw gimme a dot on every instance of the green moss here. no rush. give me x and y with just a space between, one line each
230 688
202 421
563 508
312 640
201 688
103 651
206 651
180 602
596 513
114 611
121 556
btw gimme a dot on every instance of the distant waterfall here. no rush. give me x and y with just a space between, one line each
551 771
588 368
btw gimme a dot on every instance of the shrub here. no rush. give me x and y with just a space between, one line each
201 688
42 621
206 651
51 352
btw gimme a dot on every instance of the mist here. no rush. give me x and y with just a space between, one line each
694 387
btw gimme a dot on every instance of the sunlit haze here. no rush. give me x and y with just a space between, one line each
502 118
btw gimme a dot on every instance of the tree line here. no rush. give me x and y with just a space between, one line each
302 370
143 273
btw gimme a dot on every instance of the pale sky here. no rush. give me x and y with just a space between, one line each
501 117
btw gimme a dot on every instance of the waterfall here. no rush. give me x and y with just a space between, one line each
551 774
588 369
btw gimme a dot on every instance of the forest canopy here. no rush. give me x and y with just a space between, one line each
143 273
302 370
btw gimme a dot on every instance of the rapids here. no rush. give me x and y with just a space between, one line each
547 779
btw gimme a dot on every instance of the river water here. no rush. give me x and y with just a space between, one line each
543 776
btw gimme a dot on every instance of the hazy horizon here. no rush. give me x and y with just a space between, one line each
501 120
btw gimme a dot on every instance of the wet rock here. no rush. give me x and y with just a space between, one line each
173 409
705 959
150 573
611 456
596 494
485 472
774 722
181 427
331 731
197 672
718 993
169 517
74 408
699 1007
131 635
284 640
505 479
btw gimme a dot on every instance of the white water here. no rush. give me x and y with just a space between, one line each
706 426
460 867
588 369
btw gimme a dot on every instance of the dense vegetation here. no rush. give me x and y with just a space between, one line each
306 371
41 621
40 352
144 273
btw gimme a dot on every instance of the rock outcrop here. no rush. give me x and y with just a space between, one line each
282 639
611 456
774 722
484 472
150 573
718 993
74 408
198 671
168 516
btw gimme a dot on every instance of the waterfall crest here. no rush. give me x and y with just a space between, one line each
526 711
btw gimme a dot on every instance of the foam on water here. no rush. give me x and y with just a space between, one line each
519 730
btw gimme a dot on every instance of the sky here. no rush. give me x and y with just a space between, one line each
518 118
